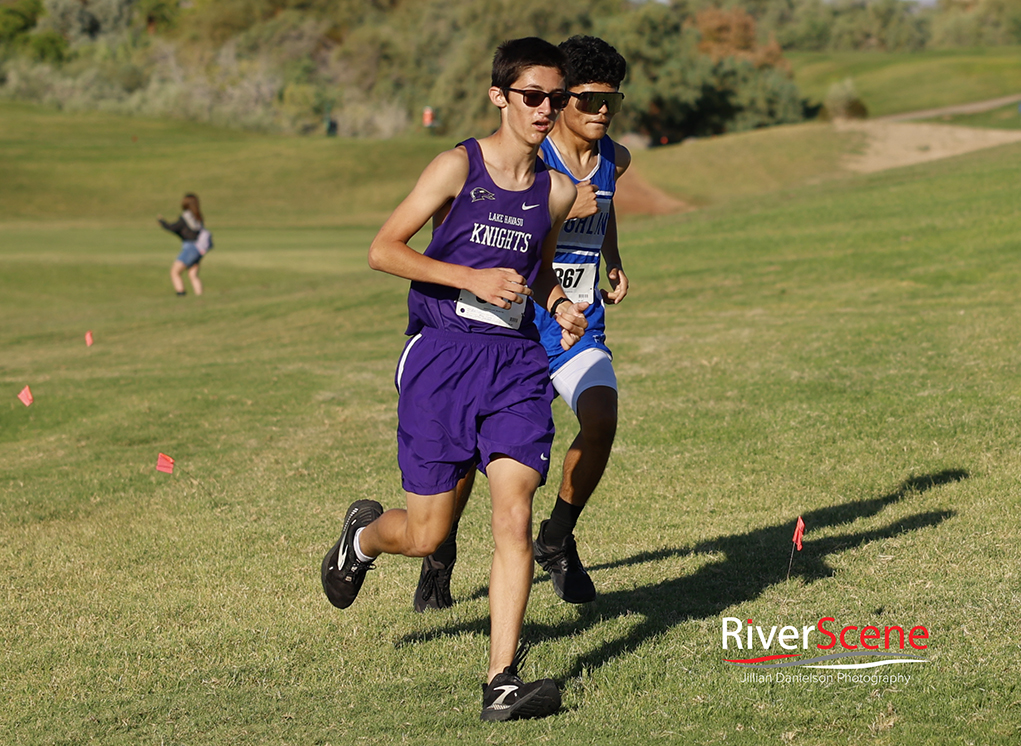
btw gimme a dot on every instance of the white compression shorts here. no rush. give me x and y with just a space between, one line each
589 368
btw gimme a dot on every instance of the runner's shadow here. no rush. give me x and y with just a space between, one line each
748 564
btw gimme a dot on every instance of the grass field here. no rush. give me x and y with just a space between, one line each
845 351
895 83
98 169
716 170
1004 118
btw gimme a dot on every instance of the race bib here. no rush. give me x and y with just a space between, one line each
577 280
470 306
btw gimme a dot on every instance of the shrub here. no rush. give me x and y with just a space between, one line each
283 64
843 102
18 18
802 25
48 46
81 21
676 91
981 23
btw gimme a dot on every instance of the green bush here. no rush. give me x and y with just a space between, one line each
675 92
156 15
83 21
843 102
803 25
973 24
885 25
18 18
48 46
283 64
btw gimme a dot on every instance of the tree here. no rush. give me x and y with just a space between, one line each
18 18
690 77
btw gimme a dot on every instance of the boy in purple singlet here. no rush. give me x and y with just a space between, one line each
583 376
473 380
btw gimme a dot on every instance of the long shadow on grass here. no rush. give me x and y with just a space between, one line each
750 563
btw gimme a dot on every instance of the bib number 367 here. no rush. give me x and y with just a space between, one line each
577 280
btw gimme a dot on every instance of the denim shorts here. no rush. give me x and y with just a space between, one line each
190 255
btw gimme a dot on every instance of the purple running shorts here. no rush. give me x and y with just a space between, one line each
466 398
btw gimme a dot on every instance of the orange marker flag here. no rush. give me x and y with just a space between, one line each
88 339
165 464
26 396
799 531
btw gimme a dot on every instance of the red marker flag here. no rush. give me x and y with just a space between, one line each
26 396
799 531
165 464
88 339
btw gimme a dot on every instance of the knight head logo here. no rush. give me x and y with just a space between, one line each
478 194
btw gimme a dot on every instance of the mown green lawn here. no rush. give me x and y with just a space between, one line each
846 351
716 170
102 169
1003 118
895 83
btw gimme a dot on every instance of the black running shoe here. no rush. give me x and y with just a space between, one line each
343 572
433 590
507 697
570 581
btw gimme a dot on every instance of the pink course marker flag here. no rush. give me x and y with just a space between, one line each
88 339
799 532
165 464
26 396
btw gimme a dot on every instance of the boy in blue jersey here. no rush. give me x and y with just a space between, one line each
473 381
583 375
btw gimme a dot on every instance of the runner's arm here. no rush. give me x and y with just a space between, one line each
547 287
586 203
622 157
611 248
614 267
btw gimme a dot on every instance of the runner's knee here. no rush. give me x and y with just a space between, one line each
512 525
424 540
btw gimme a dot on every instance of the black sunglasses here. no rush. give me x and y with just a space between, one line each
533 98
591 102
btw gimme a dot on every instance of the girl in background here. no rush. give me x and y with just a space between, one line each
196 241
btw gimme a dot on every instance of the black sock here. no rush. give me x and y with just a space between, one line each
561 522
446 553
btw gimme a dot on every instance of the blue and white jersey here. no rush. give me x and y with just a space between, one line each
579 247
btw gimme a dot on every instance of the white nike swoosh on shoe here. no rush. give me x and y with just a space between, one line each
507 689
528 207
342 557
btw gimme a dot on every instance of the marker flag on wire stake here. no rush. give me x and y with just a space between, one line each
799 531
88 339
26 396
165 464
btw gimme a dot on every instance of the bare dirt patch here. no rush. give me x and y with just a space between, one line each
636 196
894 144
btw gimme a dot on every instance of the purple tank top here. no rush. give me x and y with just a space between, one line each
486 227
